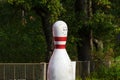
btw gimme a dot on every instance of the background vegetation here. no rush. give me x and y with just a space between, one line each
94 32
25 28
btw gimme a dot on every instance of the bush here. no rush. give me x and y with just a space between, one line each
105 73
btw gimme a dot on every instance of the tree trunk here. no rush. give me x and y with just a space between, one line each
84 45
83 12
47 29
85 33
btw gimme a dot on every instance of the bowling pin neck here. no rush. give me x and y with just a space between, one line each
60 42
60 46
60 38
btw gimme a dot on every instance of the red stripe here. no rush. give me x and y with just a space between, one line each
60 38
60 46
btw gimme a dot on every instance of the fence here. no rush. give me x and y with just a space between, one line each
35 71
29 71
22 71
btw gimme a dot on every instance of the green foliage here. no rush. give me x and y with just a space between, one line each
53 7
102 25
20 43
105 73
103 2
115 10
18 40
17 1
22 39
102 5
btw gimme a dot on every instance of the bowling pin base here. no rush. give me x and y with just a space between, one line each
74 69
60 67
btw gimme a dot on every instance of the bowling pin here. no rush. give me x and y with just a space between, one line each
60 67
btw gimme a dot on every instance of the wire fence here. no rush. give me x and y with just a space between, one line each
22 71
37 71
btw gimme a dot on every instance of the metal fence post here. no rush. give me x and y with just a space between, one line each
14 71
33 73
44 71
25 71
88 67
4 72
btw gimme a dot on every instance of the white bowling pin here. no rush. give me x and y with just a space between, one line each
60 67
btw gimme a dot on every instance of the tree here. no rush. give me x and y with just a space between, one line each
115 10
48 11
84 14
88 22
18 42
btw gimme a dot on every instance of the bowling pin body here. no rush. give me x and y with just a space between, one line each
59 67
